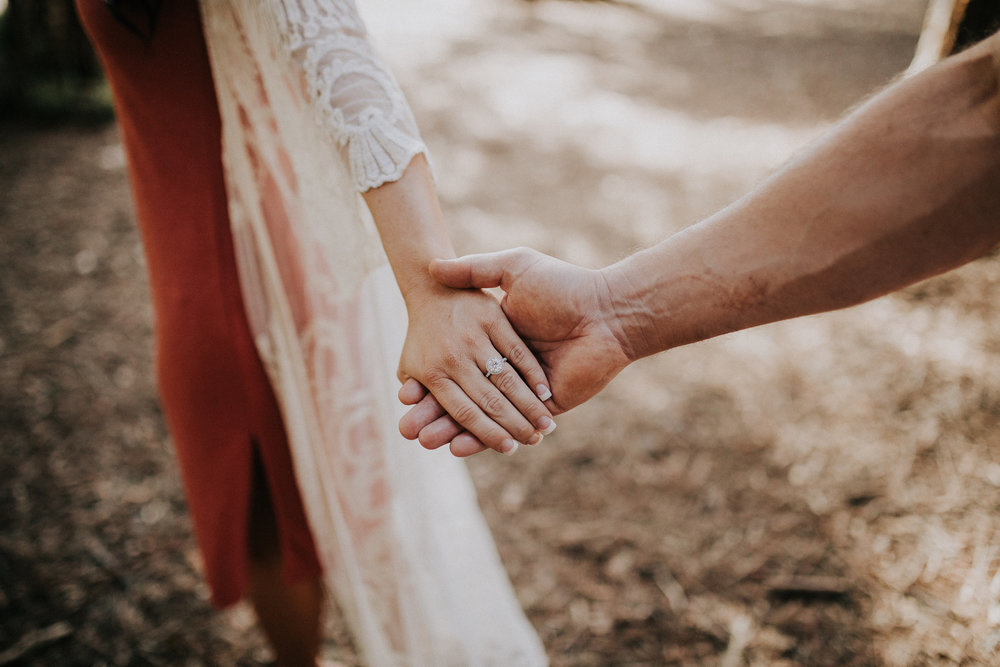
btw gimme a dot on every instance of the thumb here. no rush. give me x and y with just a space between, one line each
481 270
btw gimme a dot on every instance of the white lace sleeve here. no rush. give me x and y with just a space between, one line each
406 552
357 99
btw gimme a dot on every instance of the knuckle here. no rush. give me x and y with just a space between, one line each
435 378
494 437
490 327
517 354
523 433
524 253
451 360
535 412
493 404
506 382
465 414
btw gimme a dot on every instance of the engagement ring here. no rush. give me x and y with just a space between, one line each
494 365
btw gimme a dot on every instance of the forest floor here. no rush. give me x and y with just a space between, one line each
817 492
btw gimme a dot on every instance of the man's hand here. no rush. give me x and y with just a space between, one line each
562 312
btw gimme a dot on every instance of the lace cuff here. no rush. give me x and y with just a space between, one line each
357 98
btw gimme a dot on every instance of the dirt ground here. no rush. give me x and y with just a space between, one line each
816 492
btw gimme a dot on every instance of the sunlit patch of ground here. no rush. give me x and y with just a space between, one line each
815 492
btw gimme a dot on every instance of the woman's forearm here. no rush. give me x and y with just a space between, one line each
411 225
904 188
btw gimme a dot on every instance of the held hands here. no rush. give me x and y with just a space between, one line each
564 313
447 329
452 333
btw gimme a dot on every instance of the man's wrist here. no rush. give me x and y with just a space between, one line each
625 314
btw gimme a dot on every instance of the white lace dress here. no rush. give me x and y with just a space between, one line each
311 118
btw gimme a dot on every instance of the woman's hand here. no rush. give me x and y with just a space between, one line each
451 334
565 314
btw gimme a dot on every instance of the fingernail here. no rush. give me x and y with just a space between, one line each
535 439
543 392
508 447
546 425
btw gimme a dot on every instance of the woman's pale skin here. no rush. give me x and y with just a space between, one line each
905 187
451 333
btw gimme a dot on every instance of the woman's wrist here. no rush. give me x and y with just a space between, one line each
412 228
418 292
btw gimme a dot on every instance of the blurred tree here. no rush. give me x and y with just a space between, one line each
47 66
981 19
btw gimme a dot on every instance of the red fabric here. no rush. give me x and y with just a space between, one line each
214 391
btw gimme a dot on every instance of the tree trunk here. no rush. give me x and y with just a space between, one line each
43 43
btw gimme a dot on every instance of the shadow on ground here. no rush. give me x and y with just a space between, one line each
819 492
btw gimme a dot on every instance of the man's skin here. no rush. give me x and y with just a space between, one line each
905 187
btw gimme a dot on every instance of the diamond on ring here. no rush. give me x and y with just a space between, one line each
494 365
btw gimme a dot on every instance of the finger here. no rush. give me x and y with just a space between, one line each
484 417
428 422
481 270
530 389
439 432
511 403
466 444
425 412
411 392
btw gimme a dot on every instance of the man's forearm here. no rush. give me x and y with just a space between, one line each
904 188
